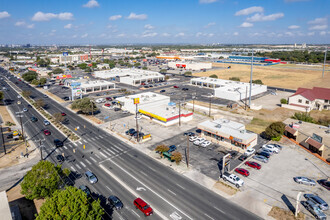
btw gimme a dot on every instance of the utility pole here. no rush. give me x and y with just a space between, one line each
187 151
92 107
22 128
325 59
137 125
3 140
179 113
251 75
40 146
246 98
210 105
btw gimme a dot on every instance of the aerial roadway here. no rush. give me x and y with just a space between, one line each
121 170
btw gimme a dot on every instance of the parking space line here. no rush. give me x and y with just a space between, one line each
97 156
109 188
103 154
72 168
82 164
93 159
88 162
78 166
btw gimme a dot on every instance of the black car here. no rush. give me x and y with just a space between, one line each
140 134
233 154
146 87
242 157
131 130
115 202
9 136
34 119
58 143
185 89
161 91
117 109
59 158
263 153
85 189
189 134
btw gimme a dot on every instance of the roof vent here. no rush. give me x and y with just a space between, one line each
218 126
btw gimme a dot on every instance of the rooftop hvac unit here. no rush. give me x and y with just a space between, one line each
229 90
154 95
218 126
242 131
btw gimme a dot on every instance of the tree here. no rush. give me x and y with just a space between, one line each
42 81
214 76
40 103
1 95
58 71
70 203
188 73
50 74
43 63
84 105
42 180
35 82
58 117
284 101
303 117
275 130
162 148
235 79
137 64
177 157
257 81
26 93
29 76
163 71
144 68
82 66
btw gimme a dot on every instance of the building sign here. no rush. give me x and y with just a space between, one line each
65 54
235 139
63 76
136 101
153 115
76 89
318 138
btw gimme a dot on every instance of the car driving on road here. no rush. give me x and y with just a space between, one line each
90 177
115 202
143 206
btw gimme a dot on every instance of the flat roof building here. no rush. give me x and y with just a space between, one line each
228 133
88 86
190 65
228 89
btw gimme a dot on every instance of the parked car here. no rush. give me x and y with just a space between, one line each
264 154
233 154
189 134
313 208
59 158
198 141
58 143
242 157
249 151
254 165
271 147
176 87
90 177
125 112
270 152
117 109
260 158
25 109
242 171
304 180
172 148
47 132
185 89
232 178
85 189
316 199
143 206
163 90
46 122
115 202
325 183
205 144
278 146
107 104
193 138
138 117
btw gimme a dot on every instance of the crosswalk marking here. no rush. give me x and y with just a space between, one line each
93 159
103 154
78 166
79 142
72 168
97 156
97 137
117 151
65 147
75 144
107 153
93 139
88 162
84 141
82 164
110 151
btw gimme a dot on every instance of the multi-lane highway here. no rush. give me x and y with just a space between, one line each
121 169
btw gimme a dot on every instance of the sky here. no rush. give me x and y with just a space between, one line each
94 22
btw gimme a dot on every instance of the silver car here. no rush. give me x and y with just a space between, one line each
260 158
91 177
304 180
313 208
317 200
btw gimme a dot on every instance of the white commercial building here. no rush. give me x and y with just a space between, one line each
227 89
88 86
228 133
156 107
131 76
190 65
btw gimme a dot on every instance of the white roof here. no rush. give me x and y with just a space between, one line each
145 97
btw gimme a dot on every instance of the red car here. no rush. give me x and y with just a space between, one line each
176 87
242 171
143 206
46 132
108 98
107 104
325 183
143 84
253 165
63 114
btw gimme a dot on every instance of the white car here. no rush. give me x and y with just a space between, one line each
249 152
198 141
125 111
205 144
193 138
25 109
19 96
271 148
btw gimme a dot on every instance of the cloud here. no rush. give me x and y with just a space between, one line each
30 26
115 17
84 36
310 33
75 36
319 27
20 23
210 24
41 16
91 4
292 27
149 26
166 35
134 16
181 34
261 17
318 21
246 25
121 35
318 24
68 26
102 35
207 1
149 34
323 33
235 33
250 10
288 33
4 14
288 1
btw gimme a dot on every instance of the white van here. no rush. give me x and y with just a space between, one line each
100 100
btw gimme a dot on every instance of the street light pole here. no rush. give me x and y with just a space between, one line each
251 75
210 106
137 125
187 151
3 140
179 113
325 59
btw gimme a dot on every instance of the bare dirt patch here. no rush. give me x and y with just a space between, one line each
225 188
278 76
5 114
13 156
281 214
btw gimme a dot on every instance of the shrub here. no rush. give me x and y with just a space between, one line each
162 148
303 117
284 101
257 81
214 76
275 130
8 123
177 157
235 79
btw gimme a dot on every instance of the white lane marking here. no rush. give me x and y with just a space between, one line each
107 153
171 192
97 156
152 169
103 154
65 147
219 209
75 144
78 166
96 137
208 216
133 192
143 173
72 168
93 159
82 164
79 142
88 162
84 141
117 151
110 151
178 185
135 213
109 188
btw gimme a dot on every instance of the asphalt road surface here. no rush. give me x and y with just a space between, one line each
122 170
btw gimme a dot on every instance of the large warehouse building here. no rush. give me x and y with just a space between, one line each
190 65
131 76
227 89
156 107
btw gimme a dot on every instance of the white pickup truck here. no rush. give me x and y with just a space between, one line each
233 179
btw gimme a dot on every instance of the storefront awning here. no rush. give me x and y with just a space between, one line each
291 130
314 143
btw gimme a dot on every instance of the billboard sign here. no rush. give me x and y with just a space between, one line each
76 88
136 101
65 54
